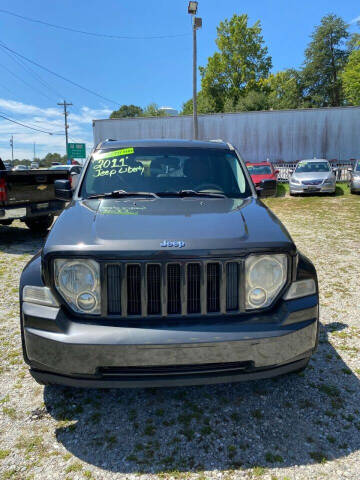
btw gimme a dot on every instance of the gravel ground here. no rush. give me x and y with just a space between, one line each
294 427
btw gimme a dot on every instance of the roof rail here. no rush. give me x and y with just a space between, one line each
99 145
217 140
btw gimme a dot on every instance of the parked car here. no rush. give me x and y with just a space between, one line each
29 196
154 279
354 182
34 165
263 171
312 176
18 168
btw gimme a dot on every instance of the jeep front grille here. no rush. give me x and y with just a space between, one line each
173 288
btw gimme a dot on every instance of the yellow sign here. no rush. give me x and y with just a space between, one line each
117 153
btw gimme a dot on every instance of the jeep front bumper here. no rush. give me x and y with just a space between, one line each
61 349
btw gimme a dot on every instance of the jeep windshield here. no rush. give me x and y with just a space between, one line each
165 172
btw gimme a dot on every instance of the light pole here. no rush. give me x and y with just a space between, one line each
196 23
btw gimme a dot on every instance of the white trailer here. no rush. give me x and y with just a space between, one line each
281 135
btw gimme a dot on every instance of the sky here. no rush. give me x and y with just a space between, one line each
126 70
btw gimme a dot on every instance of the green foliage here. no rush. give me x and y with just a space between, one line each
252 100
351 78
354 40
325 59
126 111
152 110
285 89
205 104
52 157
240 64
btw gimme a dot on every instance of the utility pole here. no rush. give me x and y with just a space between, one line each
196 23
34 152
195 119
12 148
64 104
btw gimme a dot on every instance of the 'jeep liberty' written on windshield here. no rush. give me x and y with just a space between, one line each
109 164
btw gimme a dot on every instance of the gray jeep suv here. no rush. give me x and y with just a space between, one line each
166 269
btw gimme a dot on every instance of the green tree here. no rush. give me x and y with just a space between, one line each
325 59
354 40
253 100
127 111
52 157
205 104
152 110
351 78
240 64
285 89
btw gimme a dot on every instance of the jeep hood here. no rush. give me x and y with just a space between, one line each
115 227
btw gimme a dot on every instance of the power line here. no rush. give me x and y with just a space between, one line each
28 126
25 82
33 73
2 45
94 34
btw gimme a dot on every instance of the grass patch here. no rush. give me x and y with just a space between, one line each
74 467
258 471
4 454
319 457
271 458
30 444
329 390
10 412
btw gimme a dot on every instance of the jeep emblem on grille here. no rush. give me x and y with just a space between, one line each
167 243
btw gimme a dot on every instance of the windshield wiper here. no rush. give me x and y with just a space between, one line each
122 194
190 193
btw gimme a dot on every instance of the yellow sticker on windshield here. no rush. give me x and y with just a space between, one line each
116 153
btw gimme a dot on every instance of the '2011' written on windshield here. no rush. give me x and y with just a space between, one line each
112 166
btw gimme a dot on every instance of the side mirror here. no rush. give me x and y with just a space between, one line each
267 188
74 179
350 170
277 172
63 190
291 171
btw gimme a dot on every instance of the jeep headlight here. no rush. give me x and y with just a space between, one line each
78 281
265 277
295 181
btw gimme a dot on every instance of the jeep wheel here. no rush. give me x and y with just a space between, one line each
39 224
